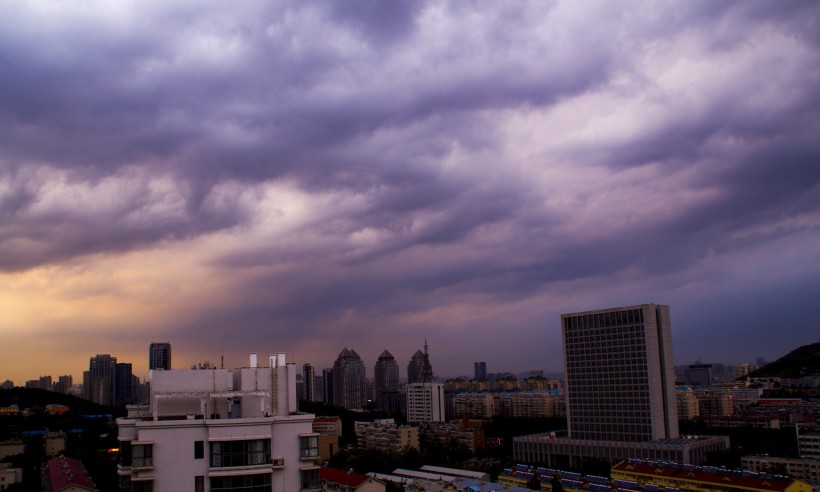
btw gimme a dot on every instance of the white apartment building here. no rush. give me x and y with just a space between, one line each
425 402
220 430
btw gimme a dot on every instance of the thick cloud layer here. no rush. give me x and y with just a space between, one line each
307 176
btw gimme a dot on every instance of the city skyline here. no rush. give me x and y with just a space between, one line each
313 176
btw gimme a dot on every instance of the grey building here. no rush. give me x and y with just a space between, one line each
620 392
386 381
349 384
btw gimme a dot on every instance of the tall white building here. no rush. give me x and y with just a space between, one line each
620 374
425 402
220 430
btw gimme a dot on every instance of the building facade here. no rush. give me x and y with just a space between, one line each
425 402
386 435
159 356
620 374
386 382
349 381
220 430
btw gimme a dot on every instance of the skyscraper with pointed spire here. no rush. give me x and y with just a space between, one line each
386 375
349 385
425 397
419 370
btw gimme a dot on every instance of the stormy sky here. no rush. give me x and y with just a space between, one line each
306 176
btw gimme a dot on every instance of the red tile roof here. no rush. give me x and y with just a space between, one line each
67 472
351 479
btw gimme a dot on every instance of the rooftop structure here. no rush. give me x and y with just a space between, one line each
350 481
220 429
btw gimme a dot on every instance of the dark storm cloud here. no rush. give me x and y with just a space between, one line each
449 155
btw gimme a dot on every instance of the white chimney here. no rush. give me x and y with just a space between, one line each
253 359
271 361
281 359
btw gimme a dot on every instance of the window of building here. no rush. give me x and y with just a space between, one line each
199 450
244 483
310 479
309 446
240 453
142 455
199 483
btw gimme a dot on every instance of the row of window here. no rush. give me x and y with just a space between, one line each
244 483
222 453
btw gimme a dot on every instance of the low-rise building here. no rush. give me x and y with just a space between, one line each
799 468
330 433
386 435
220 430
474 405
64 474
702 478
349 481
9 476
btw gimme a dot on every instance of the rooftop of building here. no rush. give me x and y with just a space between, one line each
706 474
348 478
65 473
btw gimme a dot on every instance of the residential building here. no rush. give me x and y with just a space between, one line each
425 402
64 383
474 405
808 441
386 435
159 356
800 468
330 432
458 432
386 375
220 430
530 404
327 386
620 392
349 481
349 384
99 382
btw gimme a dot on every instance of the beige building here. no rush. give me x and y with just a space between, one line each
525 404
474 405
385 435
330 432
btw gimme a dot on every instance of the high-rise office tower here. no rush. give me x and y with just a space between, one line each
419 370
159 356
620 374
327 386
620 393
123 384
386 375
100 382
480 370
349 385
309 378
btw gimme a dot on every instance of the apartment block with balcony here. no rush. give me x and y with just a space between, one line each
386 435
220 430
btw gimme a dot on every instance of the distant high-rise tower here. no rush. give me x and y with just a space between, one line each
419 370
480 370
327 386
386 379
309 378
123 385
620 374
99 382
349 385
159 356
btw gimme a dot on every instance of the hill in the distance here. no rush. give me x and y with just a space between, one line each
799 362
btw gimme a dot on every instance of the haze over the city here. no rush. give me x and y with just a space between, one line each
302 177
